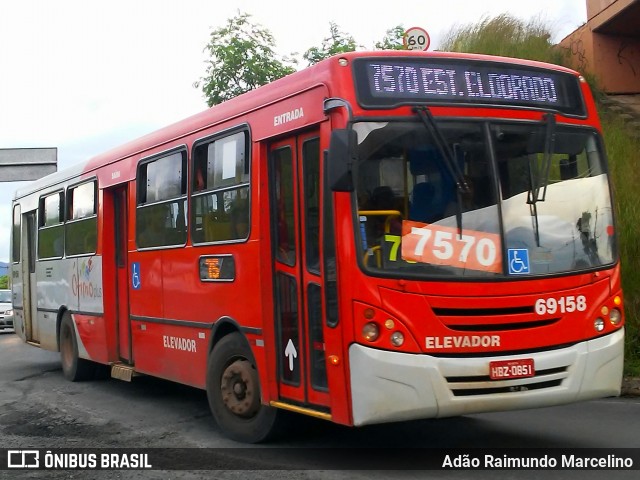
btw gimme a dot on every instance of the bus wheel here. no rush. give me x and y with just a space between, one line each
74 368
233 390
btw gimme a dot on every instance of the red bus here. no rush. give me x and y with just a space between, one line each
380 237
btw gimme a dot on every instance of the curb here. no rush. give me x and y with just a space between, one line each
630 387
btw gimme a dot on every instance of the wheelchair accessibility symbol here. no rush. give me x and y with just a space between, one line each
135 276
518 261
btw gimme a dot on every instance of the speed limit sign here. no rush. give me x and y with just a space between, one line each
416 38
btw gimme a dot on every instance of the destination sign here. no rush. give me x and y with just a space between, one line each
217 268
385 83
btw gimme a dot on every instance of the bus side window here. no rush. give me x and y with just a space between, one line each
81 224
220 200
50 226
162 191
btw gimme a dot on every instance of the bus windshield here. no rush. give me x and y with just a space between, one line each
535 199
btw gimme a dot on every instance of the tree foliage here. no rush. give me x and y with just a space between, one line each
336 42
393 39
4 282
242 58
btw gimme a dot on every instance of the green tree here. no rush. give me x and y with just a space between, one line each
393 39
337 42
242 58
4 282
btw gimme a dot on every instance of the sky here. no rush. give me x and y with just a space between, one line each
87 75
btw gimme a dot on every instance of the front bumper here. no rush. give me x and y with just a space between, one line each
6 322
391 386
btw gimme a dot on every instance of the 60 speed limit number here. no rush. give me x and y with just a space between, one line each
416 38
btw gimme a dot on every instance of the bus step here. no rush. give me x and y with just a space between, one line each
305 411
123 372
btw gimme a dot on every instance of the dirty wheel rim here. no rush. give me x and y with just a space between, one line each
239 389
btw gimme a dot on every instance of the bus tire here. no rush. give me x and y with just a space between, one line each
233 391
74 368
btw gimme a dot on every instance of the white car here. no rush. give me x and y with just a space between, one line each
6 310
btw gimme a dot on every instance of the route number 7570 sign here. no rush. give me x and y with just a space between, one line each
439 245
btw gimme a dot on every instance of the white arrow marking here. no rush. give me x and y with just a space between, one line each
290 352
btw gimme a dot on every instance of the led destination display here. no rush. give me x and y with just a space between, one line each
386 83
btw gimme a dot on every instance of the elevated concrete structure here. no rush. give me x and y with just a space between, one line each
608 45
27 163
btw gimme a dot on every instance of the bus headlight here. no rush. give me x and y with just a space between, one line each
615 317
397 339
598 324
370 332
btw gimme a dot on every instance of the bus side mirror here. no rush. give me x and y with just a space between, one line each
341 159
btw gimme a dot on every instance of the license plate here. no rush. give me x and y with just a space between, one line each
506 369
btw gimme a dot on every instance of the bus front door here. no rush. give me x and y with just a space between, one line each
294 177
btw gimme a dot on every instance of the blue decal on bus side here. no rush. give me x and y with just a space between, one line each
136 281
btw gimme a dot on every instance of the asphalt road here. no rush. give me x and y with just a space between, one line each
40 409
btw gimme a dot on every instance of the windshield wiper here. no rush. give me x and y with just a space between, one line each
539 179
449 160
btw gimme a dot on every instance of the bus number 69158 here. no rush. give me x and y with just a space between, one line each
567 304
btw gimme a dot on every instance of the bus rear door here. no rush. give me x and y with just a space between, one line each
294 176
29 290
116 218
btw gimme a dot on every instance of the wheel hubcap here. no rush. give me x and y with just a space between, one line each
238 389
